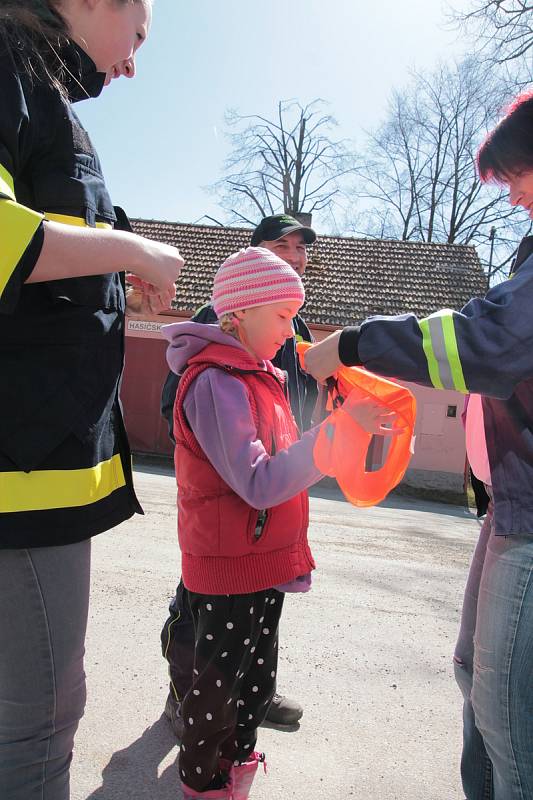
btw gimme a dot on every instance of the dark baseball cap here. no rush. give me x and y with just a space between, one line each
272 228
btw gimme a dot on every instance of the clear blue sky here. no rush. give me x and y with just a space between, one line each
160 136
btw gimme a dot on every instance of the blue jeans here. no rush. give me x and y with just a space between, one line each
494 668
44 596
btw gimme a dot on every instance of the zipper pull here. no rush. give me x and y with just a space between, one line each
260 524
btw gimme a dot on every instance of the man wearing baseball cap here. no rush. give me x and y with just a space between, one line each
287 238
271 229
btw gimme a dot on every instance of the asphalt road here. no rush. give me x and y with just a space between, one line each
368 653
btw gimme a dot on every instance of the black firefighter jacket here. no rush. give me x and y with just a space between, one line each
65 465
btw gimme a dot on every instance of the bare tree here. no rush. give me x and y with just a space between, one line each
502 32
418 180
289 164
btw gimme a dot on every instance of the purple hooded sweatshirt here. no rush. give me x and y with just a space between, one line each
217 409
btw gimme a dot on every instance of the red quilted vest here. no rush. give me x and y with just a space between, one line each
223 551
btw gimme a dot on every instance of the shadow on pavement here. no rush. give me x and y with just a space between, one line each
327 489
282 728
133 773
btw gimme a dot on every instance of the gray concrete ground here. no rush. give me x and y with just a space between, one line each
367 652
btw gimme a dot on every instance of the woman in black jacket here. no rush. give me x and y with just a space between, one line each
65 467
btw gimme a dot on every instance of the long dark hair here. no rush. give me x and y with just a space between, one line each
508 149
33 32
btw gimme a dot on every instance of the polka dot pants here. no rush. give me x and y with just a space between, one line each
234 680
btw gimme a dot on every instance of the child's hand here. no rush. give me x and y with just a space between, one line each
145 298
371 416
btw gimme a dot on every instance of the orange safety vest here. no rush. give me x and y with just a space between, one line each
342 445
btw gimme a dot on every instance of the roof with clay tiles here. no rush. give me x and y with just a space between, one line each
346 280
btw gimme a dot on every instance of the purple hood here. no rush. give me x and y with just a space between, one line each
187 339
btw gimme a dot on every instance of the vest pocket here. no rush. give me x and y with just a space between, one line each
257 526
52 395
277 527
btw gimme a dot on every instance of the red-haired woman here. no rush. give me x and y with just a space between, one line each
485 349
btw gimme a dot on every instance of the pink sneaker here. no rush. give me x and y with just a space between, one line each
244 774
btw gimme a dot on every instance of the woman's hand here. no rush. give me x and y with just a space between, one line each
371 416
322 359
158 266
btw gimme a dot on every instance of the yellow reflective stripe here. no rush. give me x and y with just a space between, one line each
433 365
7 186
17 228
442 353
43 490
66 219
452 351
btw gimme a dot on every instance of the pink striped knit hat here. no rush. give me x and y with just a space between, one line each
254 277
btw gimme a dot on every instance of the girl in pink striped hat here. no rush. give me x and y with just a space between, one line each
242 473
